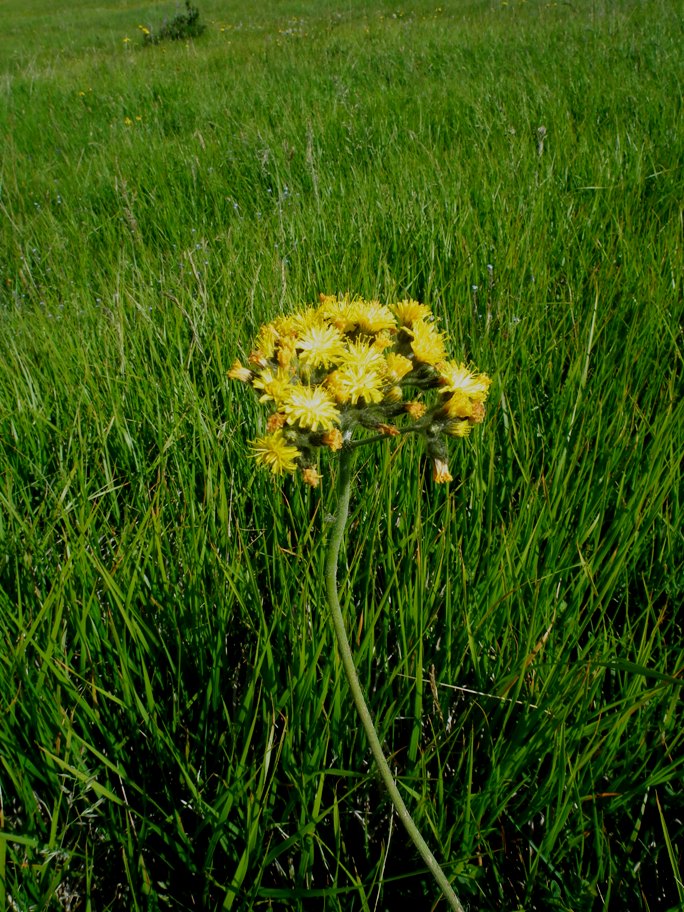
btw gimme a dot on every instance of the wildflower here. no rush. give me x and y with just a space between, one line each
311 407
275 422
458 406
275 386
415 410
398 366
456 378
440 471
427 344
126 40
311 477
478 413
128 122
275 453
320 346
340 314
286 351
458 428
410 312
363 356
354 382
293 324
333 439
266 342
343 365
238 372
372 317
394 394
382 341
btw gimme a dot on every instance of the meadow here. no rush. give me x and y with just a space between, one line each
175 728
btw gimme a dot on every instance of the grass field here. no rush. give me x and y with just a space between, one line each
175 729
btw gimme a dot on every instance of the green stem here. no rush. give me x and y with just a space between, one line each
332 556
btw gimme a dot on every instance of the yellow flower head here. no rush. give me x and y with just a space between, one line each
275 453
427 344
364 356
339 313
296 323
311 477
382 341
265 343
397 366
410 312
478 413
354 382
333 440
415 410
458 428
275 385
238 372
311 407
320 346
458 406
440 471
456 378
372 316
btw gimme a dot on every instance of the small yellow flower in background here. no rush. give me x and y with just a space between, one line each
275 453
144 29
344 365
128 122
126 40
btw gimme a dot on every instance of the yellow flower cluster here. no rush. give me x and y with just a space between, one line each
349 363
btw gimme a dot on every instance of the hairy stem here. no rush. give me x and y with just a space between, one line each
332 556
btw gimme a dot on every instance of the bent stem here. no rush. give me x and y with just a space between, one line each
332 556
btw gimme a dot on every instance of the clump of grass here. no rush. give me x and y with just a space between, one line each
181 27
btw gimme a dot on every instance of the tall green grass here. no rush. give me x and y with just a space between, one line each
175 729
